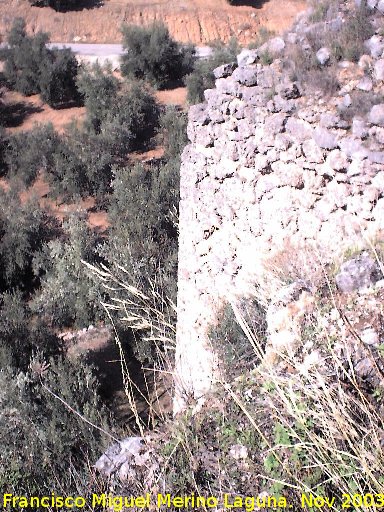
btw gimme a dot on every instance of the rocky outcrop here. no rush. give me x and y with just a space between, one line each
271 176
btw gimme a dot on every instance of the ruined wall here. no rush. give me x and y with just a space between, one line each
268 172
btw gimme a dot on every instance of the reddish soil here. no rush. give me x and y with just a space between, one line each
40 189
27 112
195 21
31 110
176 97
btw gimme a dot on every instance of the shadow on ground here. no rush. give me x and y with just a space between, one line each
60 6
256 4
151 392
14 114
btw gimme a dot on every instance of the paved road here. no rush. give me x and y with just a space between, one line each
103 52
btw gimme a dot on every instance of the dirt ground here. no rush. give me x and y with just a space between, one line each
195 21
26 112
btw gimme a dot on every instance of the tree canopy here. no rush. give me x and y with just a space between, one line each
32 68
152 54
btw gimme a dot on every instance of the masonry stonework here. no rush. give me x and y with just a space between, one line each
269 171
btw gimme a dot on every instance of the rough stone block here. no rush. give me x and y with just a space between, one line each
357 273
299 129
225 70
247 57
376 115
324 138
246 76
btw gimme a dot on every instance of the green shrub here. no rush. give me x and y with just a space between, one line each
262 37
231 344
142 239
266 58
57 5
67 295
81 166
25 59
143 234
31 68
304 68
323 9
79 163
131 121
22 335
348 43
99 90
345 43
21 236
173 128
45 446
27 153
151 54
124 117
57 82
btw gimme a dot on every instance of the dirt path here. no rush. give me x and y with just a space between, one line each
195 21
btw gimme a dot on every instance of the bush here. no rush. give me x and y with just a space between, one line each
99 90
122 118
58 79
22 335
151 54
131 120
67 295
345 43
202 77
27 153
45 446
81 166
142 233
142 238
173 127
229 341
31 68
348 43
21 236
57 5
323 10
26 58
77 164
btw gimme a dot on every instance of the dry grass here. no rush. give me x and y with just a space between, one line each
148 315
309 423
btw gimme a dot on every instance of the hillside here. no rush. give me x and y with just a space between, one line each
195 21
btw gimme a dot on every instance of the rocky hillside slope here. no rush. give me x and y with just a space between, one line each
195 21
